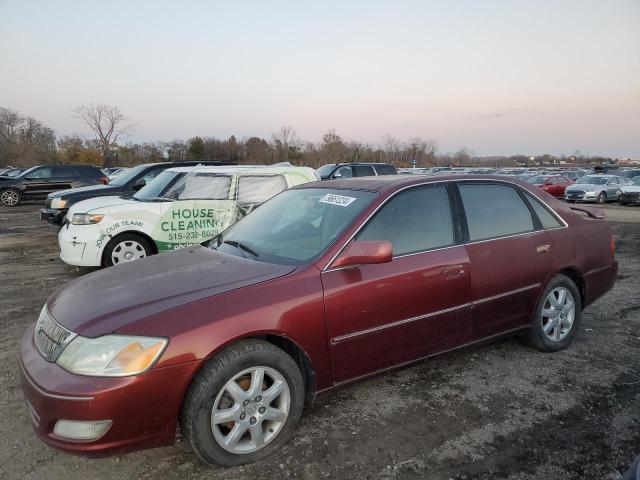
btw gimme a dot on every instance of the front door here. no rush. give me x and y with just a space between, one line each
387 314
510 255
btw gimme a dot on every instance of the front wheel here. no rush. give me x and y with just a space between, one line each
10 197
125 248
244 404
602 198
557 315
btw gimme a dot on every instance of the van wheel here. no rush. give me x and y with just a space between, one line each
10 197
125 248
244 404
557 315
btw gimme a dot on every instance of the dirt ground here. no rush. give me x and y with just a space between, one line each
494 411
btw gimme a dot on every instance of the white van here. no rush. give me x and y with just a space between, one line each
180 207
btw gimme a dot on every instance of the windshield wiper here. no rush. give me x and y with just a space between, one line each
241 247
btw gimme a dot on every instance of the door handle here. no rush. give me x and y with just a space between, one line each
543 249
454 271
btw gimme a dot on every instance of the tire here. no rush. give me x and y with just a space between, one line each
118 249
237 364
10 197
565 320
602 198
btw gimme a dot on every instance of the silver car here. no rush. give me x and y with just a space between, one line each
595 188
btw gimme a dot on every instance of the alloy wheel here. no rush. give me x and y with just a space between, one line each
602 198
127 251
250 410
9 198
558 314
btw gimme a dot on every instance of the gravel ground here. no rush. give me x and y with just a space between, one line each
496 411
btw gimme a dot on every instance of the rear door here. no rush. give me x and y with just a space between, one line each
387 314
63 177
510 255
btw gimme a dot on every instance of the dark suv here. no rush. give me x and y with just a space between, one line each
348 170
37 182
127 183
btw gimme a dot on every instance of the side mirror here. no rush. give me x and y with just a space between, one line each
337 175
365 252
138 184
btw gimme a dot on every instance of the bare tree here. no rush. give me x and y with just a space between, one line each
107 122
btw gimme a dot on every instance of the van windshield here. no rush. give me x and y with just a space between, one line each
294 227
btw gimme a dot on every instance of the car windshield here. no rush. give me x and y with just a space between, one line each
636 182
593 180
153 190
25 173
295 226
537 179
129 175
325 170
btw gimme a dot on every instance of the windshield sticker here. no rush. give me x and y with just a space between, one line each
340 200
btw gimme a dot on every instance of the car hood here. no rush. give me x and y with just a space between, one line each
631 189
86 191
585 186
86 206
104 301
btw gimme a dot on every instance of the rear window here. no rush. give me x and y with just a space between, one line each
362 170
258 189
547 219
386 170
494 211
64 172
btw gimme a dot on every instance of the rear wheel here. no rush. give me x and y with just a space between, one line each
126 248
557 315
10 197
244 404
602 198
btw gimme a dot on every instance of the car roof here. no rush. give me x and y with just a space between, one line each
237 169
386 183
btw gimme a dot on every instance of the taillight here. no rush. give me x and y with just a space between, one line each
105 180
613 247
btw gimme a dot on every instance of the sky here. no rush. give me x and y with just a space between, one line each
496 77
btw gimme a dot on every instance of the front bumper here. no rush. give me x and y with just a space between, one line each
79 245
580 196
54 216
626 197
143 409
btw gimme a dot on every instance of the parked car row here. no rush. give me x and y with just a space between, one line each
287 287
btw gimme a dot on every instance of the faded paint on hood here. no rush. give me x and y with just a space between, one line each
104 301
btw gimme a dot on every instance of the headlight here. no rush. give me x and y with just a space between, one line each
111 355
57 202
85 219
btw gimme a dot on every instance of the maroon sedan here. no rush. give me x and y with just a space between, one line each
324 284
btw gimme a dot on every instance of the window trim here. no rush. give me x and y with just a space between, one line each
459 215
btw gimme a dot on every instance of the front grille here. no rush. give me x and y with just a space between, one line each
575 194
630 197
50 336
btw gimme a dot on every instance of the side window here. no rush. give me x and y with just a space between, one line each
385 170
547 219
44 172
64 172
494 211
613 181
362 170
152 174
413 221
343 172
254 189
554 181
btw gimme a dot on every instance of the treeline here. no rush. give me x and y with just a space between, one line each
25 141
